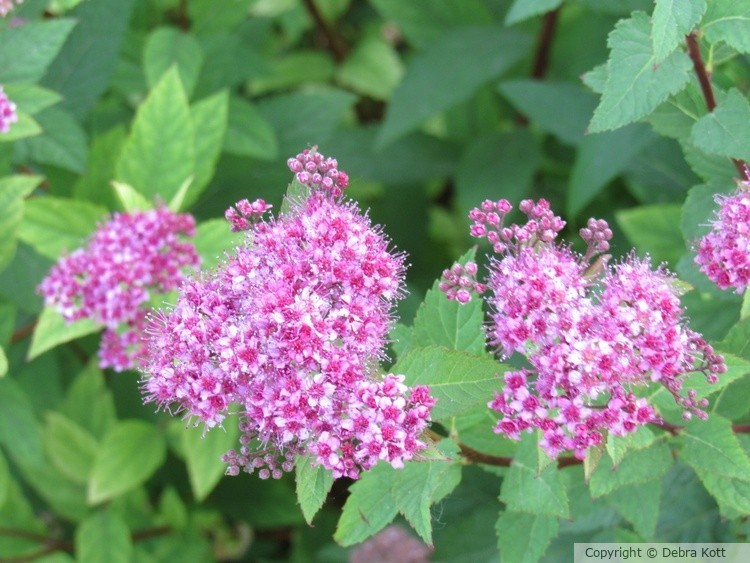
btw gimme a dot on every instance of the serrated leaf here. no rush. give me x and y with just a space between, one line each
52 330
103 536
369 507
130 200
636 85
71 448
210 126
83 69
707 166
596 78
526 490
442 322
676 117
722 131
313 486
167 47
639 505
459 381
13 190
55 225
129 454
159 154
672 20
728 22
599 159
618 446
541 103
710 445
737 341
732 495
525 537
638 466
651 228
26 51
249 133
203 455
591 461
439 77
524 9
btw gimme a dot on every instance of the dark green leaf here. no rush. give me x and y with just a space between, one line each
159 154
313 486
249 133
524 9
26 51
672 20
13 190
639 505
89 402
600 158
636 85
638 466
19 429
527 490
651 228
94 184
675 117
459 381
373 68
71 448
129 454
722 131
439 77
25 127
525 537
30 98
103 536
63 142
167 47
711 446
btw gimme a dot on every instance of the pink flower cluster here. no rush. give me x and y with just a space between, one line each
724 253
316 172
111 279
290 329
590 331
8 114
6 7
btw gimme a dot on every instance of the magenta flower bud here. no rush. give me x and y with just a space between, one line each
8 114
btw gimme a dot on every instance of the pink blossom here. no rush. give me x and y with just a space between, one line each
128 259
8 114
591 332
291 328
724 253
6 7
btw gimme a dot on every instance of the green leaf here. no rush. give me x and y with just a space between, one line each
636 85
83 69
52 330
31 98
442 322
63 142
639 505
203 453
524 537
177 202
524 9
651 228
3 365
26 51
541 103
497 163
619 446
213 240
599 159
722 131
13 190
728 22
638 466
732 495
373 68
439 77
129 454
675 117
369 508
525 489
130 200
459 381
700 206
596 78
672 20
25 127
249 133
19 429
737 341
103 536
159 154
89 402
71 449
94 184
313 486
710 445
167 47
210 126
294 70
56 225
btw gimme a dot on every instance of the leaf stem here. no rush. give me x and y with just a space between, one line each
704 79
544 44
336 44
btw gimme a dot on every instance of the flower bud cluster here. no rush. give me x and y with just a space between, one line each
111 279
460 281
724 253
313 170
591 334
244 214
8 114
290 330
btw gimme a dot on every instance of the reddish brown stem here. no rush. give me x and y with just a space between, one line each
23 332
336 45
704 79
544 44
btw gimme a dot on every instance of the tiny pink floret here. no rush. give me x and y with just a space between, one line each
8 115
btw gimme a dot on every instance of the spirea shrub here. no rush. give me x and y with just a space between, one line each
290 329
591 331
